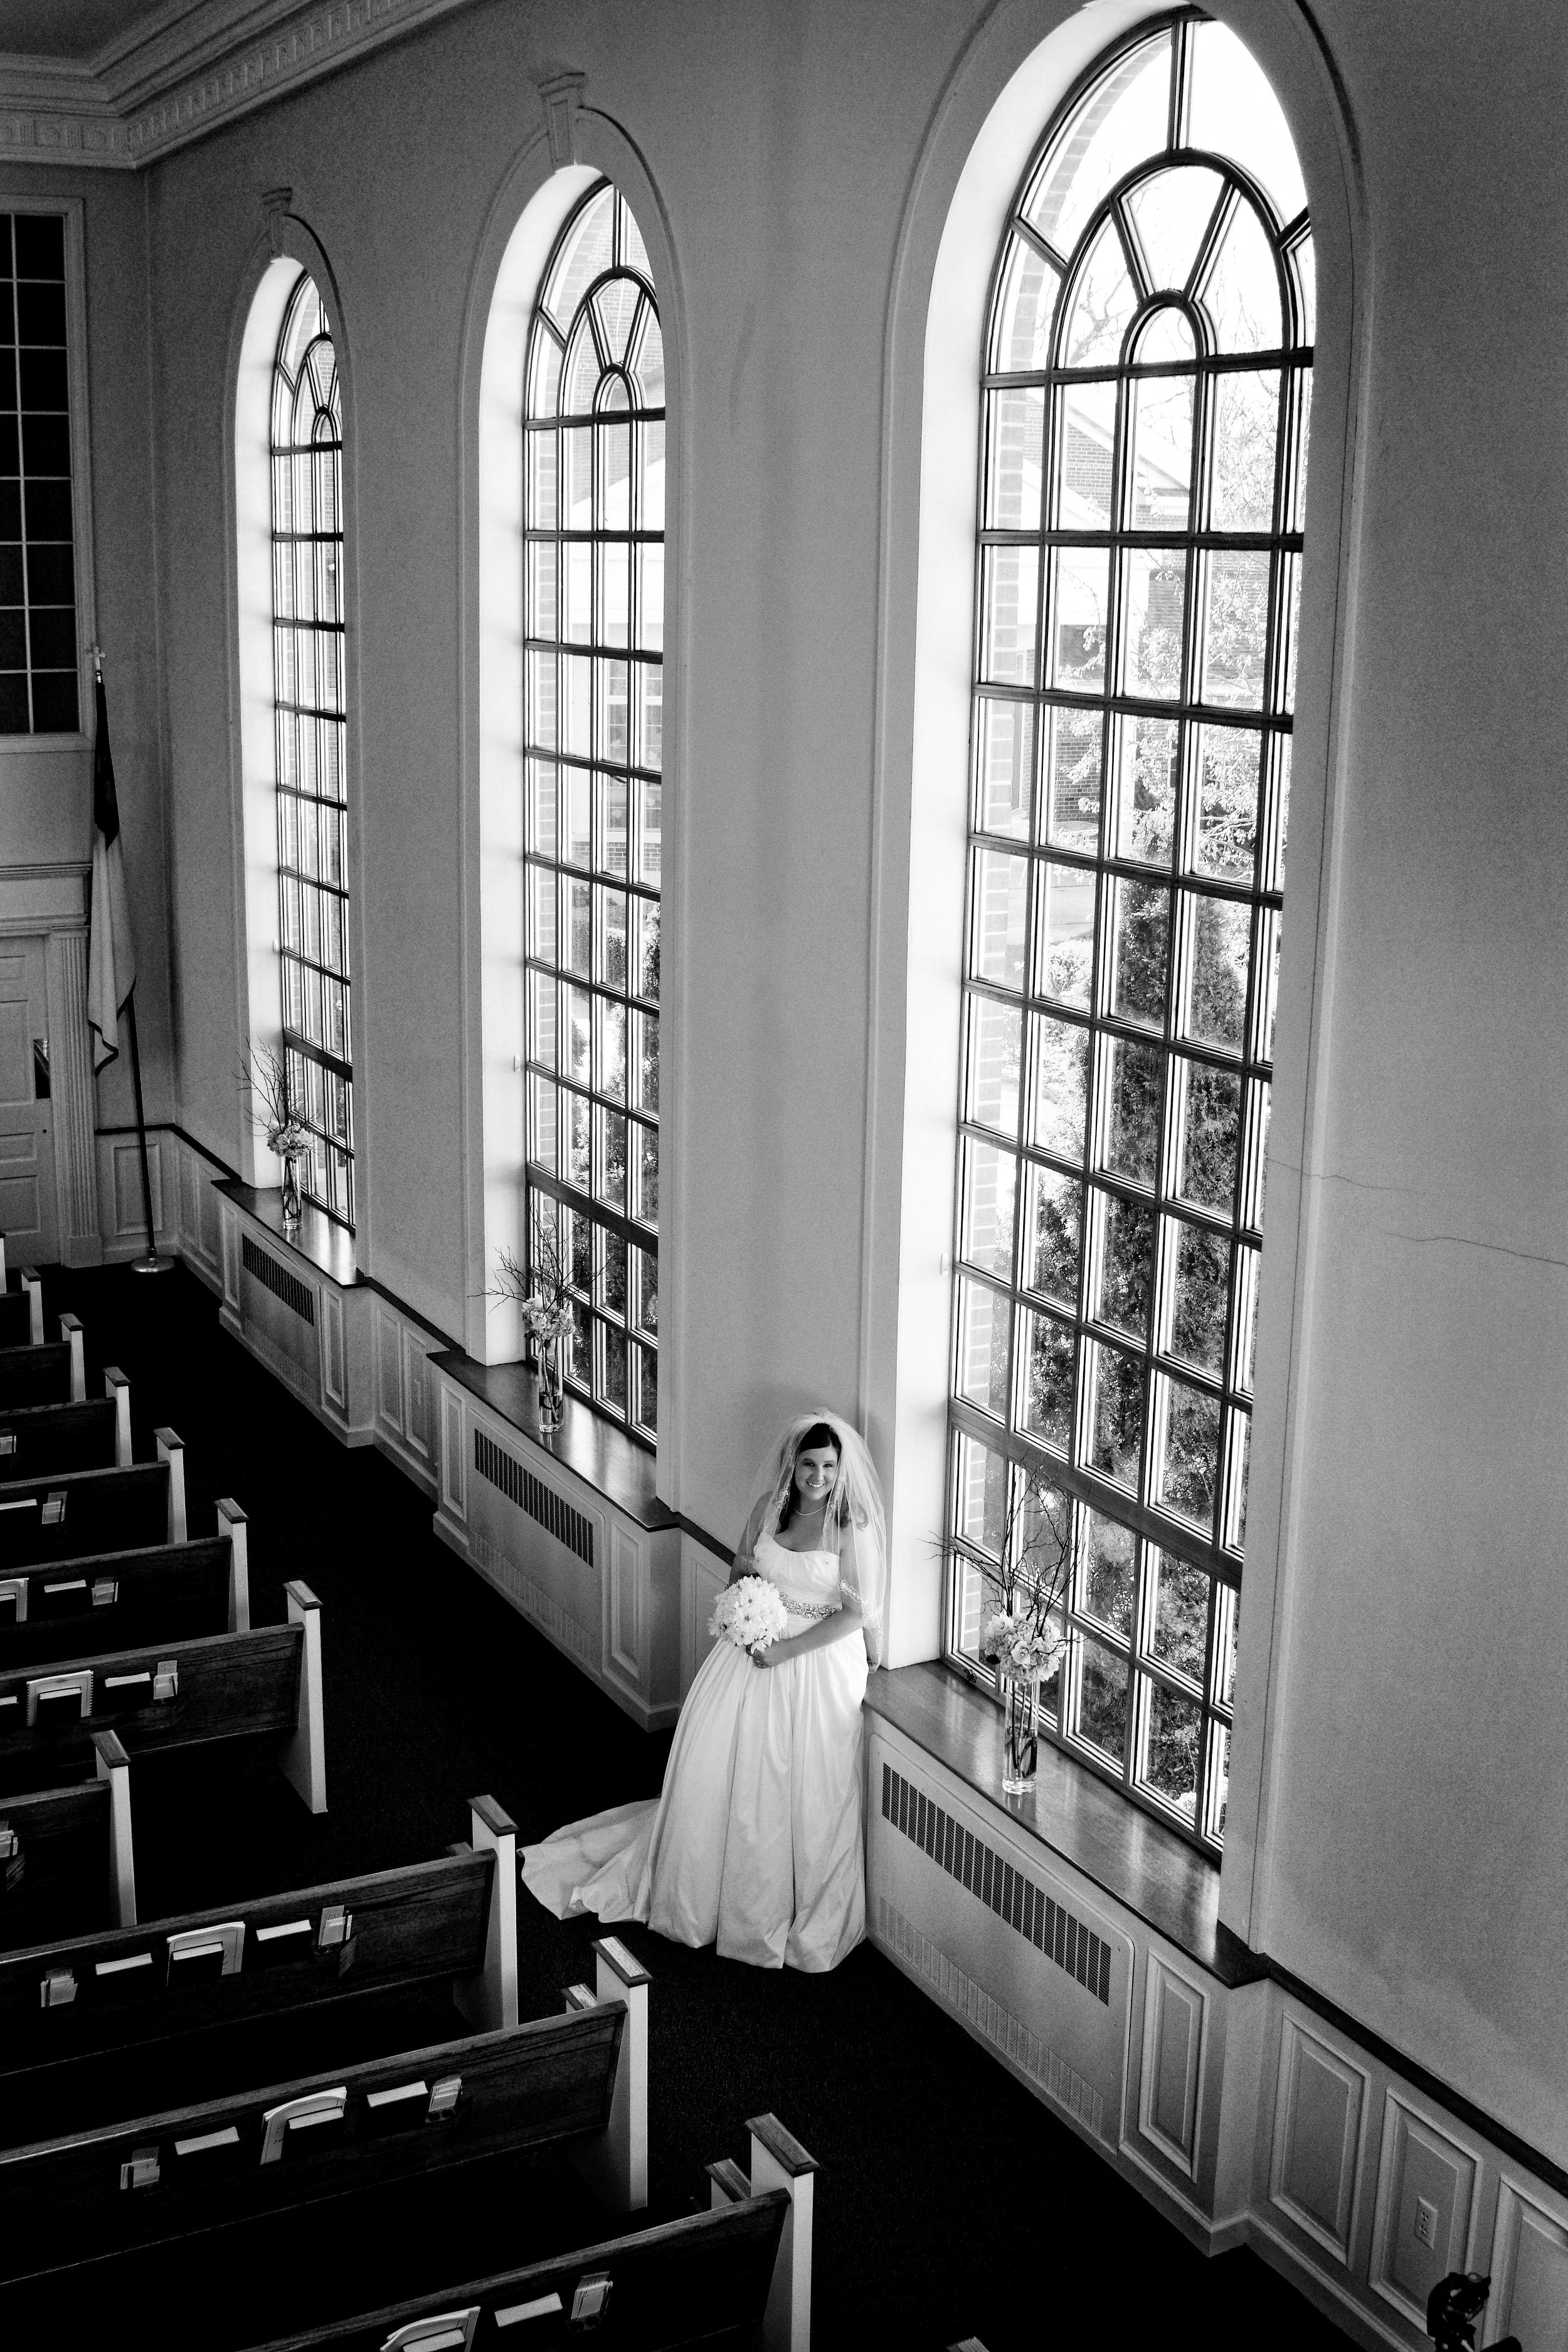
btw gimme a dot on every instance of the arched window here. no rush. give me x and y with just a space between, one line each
1145 402
594 560
307 445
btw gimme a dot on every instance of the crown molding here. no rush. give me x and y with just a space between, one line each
185 70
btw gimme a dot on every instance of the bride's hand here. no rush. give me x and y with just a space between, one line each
764 1658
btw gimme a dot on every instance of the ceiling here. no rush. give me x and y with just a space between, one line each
73 29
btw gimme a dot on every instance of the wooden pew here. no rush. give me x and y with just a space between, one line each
178 1695
90 2025
50 1373
116 1600
702 2279
74 1513
91 1435
370 2125
67 1863
22 1311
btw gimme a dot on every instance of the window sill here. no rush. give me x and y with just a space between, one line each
592 1448
1146 1868
322 1242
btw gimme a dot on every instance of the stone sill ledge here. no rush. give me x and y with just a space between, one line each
1146 1868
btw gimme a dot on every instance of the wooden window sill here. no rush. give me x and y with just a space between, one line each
591 1447
1145 1867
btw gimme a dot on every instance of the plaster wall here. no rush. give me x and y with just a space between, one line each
1400 1787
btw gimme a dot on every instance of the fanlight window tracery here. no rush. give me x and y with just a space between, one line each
1146 408
310 719
594 562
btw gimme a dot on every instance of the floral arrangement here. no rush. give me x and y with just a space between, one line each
750 1612
1012 1641
276 1113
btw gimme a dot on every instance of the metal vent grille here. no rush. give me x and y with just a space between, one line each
1015 1899
278 1280
541 1503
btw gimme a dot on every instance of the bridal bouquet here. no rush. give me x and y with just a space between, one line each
751 1613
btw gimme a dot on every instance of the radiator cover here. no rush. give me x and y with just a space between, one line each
1007 1944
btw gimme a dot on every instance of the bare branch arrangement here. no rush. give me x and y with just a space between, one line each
1023 1635
272 1104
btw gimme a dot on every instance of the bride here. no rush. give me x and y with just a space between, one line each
755 1843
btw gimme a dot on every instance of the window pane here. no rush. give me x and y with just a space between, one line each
985 1224
1102 1700
1048 1350
992 1089
1173 1748
1108 1582
1178 1615
1055 1228
982 1348
1126 1282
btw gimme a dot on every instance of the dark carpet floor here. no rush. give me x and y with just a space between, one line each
950 2203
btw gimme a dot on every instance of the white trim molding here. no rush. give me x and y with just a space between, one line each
183 72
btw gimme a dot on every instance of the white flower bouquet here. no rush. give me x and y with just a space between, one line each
751 1613
1017 1645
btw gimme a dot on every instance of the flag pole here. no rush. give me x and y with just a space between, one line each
152 1263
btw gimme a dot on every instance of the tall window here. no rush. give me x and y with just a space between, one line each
38 678
308 695
593 558
1147 380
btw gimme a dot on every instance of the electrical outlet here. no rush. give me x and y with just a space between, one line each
1426 2222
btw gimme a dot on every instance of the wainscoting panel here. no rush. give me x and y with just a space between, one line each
1317 2115
624 1635
1425 2202
1176 2012
1529 2268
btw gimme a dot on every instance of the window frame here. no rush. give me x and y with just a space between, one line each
598 1326
1149 1529
298 1045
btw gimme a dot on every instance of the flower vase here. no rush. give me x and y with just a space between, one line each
550 1388
293 1199
1020 1733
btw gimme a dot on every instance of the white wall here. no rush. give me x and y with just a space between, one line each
1401 1788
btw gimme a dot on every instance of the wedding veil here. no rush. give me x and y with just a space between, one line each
854 1504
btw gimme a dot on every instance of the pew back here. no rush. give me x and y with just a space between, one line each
115 1600
66 1864
701 2280
364 2127
171 1694
74 1513
40 1375
94 1433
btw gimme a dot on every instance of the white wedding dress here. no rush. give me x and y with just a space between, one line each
756 1844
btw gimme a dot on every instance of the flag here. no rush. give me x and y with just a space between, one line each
111 958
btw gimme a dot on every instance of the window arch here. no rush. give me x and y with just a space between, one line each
594 563
1144 413
311 741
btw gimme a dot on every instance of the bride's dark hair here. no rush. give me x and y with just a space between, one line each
819 1433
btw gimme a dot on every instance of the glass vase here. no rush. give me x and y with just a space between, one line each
1020 1733
293 1197
551 1390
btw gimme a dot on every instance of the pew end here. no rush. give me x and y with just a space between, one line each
232 1523
33 1286
779 2161
303 1755
71 1333
488 1999
615 2165
171 1453
113 1765
117 1388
